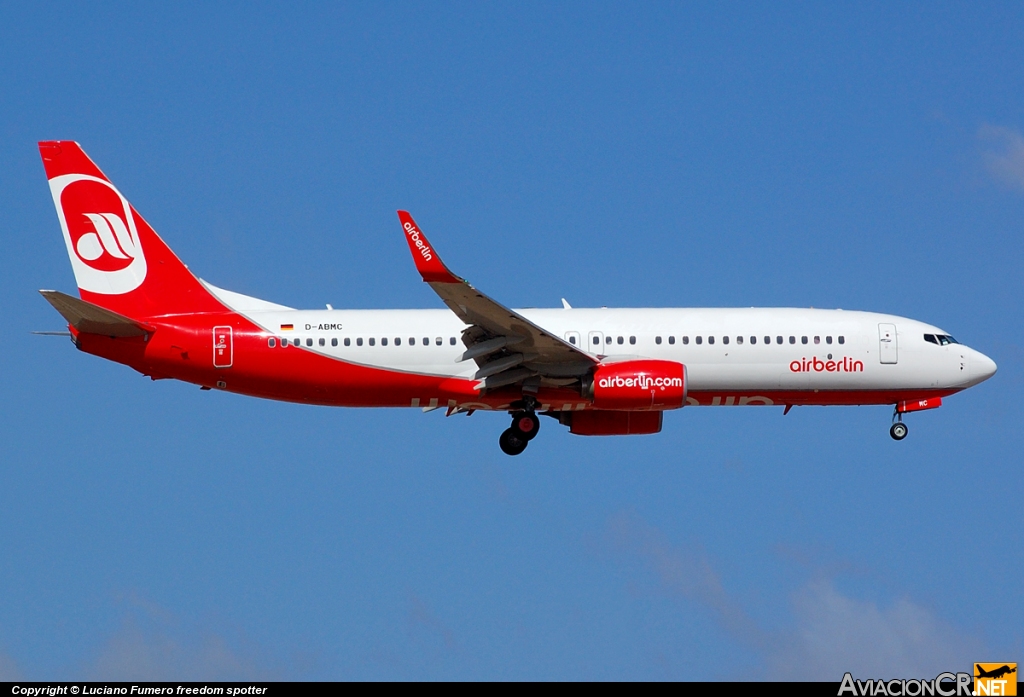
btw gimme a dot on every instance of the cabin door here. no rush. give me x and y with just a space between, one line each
888 351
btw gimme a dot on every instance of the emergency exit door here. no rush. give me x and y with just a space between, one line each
888 351
223 347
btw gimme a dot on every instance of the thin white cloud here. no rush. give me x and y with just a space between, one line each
8 669
687 574
421 617
137 654
830 634
1004 157
152 644
835 633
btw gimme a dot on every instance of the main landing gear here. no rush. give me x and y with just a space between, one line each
898 430
525 427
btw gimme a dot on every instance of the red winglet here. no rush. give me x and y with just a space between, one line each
428 263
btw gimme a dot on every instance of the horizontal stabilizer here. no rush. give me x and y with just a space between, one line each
92 319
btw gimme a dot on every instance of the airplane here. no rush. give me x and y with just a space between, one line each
995 673
596 371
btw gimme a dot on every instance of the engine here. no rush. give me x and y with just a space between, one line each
637 385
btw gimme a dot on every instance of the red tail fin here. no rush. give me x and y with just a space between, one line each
119 261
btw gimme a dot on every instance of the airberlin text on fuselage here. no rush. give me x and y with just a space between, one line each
846 365
414 235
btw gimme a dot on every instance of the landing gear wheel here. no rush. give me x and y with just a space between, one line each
526 425
511 442
898 431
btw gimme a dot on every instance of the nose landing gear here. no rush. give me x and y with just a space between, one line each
525 427
898 430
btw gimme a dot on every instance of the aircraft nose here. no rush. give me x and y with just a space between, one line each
982 367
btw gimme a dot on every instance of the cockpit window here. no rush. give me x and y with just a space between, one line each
951 339
930 338
940 339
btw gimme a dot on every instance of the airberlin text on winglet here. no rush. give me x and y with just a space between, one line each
414 235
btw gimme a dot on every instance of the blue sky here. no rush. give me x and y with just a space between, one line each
863 156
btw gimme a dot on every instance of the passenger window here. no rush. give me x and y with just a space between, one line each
739 340
596 341
632 339
398 341
348 342
803 340
842 340
620 340
426 341
438 340
271 342
607 340
817 339
686 340
657 340
412 341
309 341
572 339
359 341
753 339
451 341
699 340
778 340
323 341
372 341
711 339
383 341
792 339
334 341
828 339
672 340
725 340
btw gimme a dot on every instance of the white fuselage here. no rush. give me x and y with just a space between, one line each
723 349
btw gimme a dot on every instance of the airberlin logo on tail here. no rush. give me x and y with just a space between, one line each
100 233
414 235
815 364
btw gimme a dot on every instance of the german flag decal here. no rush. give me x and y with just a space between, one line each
287 327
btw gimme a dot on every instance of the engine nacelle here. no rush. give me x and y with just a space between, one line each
640 385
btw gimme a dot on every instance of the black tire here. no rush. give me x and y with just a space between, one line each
511 443
526 424
898 431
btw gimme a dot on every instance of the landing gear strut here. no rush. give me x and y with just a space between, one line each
525 427
898 430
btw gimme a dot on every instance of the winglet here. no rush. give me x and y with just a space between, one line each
430 266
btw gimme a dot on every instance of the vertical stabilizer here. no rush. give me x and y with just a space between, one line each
120 263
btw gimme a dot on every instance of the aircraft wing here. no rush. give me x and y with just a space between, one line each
508 348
